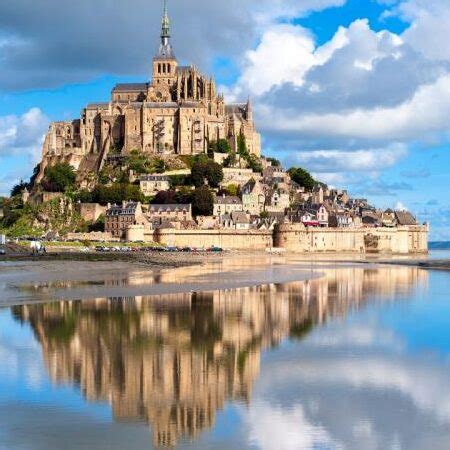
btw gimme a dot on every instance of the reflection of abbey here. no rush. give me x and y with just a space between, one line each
175 360
178 112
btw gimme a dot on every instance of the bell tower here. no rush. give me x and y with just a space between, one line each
164 63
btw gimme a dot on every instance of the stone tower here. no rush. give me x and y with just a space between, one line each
164 63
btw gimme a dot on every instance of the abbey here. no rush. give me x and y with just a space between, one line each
178 112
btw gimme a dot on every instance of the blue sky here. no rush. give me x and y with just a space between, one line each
357 91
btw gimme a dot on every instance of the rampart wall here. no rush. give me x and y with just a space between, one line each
400 240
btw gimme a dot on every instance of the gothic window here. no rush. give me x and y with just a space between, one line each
159 68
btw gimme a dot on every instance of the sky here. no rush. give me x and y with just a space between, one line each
356 91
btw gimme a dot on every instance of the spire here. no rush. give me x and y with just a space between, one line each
165 49
165 28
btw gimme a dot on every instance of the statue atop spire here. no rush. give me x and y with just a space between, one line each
165 48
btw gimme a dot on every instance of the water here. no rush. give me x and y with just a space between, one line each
355 359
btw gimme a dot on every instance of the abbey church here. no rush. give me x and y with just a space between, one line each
177 113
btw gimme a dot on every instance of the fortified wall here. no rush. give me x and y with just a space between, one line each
401 240
227 239
295 238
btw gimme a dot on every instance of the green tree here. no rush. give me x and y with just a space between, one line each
254 163
302 177
59 178
230 160
202 201
274 162
242 146
208 171
98 225
233 190
19 188
219 146
117 193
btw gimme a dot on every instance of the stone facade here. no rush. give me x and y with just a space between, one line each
178 112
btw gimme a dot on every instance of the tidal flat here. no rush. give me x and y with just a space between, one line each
237 351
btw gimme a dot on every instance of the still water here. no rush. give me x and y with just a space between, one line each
357 358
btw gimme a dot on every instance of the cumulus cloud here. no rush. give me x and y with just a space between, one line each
323 161
21 137
54 42
23 134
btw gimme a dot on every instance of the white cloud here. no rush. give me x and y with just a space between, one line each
23 134
326 161
430 23
20 136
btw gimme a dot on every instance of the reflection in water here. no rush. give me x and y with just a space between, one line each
174 360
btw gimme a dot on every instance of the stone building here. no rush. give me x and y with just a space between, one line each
178 112
120 217
152 184
226 205
170 213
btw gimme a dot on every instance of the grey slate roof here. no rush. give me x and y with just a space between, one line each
131 87
119 210
240 217
228 200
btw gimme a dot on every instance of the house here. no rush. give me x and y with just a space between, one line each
340 220
317 195
237 220
170 213
321 213
226 205
253 197
152 184
240 220
300 214
277 200
120 217
405 218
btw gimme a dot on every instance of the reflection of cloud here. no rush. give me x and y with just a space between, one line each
276 428
357 336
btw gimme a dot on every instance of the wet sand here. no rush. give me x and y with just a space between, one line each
42 281
76 276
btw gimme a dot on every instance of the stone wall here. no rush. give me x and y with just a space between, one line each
226 239
96 236
402 240
90 211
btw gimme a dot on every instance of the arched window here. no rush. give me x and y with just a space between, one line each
168 68
159 68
